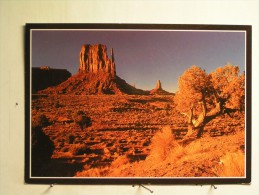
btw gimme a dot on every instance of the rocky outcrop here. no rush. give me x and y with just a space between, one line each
94 59
158 89
44 77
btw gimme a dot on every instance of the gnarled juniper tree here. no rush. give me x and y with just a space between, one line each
201 97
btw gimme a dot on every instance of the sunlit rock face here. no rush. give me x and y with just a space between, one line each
94 59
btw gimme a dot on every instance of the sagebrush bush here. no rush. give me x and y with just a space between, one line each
71 138
93 172
82 119
120 161
162 144
40 121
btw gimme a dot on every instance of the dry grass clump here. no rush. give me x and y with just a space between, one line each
118 166
119 162
163 146
231 165
92 172
114 170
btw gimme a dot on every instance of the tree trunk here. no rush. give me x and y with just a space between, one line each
196 126
191 130
195 131
200 127
200 131
190 124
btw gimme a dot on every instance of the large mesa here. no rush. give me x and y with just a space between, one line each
94 59
96 75
44 77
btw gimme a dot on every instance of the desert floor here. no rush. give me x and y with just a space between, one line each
137 135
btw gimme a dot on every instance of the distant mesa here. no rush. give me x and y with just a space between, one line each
158 89
44 77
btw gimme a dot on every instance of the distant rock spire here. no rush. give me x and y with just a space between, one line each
158 85
158 89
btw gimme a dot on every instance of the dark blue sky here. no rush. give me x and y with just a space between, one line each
142 57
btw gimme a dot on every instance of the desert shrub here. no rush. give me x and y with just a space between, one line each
42 149
77 149
231 165
57 104
40 121
119 167
120 161
82 119
93 172
162 145
71 139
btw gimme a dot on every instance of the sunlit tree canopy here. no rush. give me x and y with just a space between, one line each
201 96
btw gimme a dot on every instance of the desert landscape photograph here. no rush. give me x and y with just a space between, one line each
114 103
